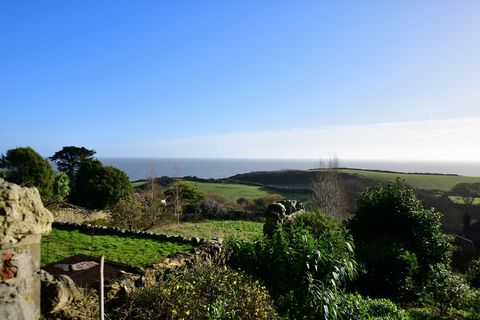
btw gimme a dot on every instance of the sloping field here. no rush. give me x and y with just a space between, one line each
234 191
302 178
419 181
247 230
230 191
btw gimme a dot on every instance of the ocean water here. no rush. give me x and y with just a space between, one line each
140 168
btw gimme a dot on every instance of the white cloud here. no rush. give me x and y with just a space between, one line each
455 139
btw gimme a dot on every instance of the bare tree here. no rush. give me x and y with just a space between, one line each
328 190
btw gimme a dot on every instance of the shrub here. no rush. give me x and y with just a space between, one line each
304 273
316 222
397 240
447 290
202 292
354 306
212 207
473 273
61 186
261 204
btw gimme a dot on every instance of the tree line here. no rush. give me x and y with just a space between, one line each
81 179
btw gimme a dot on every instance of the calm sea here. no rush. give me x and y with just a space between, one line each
140 168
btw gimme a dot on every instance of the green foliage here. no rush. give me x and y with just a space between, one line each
467 191
187 191
127 213
134 212
261 204
397 240
304 273
69 158
27 168
356 307
316 222
447 290
202 292
60 244
473 273
99 186
61 186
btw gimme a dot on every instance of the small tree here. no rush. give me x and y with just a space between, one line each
100 186
181 194
128 212
328 194
24 166
468 191
396 239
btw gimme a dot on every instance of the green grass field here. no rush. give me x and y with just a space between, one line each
234 191
230 191
420 181
61 244
137 184
247 230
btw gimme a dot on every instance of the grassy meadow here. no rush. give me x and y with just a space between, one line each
234 191
247 230
230 191
60 244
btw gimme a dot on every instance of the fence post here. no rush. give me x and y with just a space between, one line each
102 313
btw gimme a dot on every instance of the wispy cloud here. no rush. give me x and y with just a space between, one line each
454 139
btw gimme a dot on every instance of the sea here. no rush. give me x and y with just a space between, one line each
141 168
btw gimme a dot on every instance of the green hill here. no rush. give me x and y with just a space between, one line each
423 181
352 177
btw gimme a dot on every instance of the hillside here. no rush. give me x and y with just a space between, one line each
301 178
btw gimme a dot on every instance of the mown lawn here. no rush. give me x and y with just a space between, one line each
247 230
60 244
420 181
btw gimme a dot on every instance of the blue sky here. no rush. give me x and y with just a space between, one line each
193 78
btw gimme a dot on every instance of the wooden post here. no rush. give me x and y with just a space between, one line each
102 313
